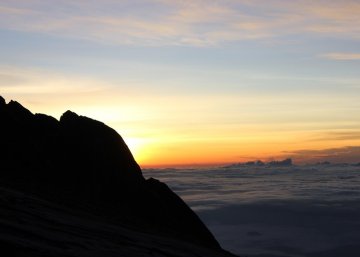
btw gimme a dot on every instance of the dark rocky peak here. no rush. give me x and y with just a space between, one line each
2 102
17 110
97 146
72 121
46 122
82 163
15 117
68 116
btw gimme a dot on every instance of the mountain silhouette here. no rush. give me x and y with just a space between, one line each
84 165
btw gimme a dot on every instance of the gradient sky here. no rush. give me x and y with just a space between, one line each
191 82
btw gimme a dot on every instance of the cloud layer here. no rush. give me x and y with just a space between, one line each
194 23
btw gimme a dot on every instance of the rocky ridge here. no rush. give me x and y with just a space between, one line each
82 164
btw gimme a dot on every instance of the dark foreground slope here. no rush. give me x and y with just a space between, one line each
32 227
81 164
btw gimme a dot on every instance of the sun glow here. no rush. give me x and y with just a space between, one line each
135 145
139 148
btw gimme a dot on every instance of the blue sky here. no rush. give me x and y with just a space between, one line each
252 77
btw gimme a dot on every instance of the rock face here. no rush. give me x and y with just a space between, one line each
33 227
83 164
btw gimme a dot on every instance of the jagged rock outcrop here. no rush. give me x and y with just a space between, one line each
83 164
286 162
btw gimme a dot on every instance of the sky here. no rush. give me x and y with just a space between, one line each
194 82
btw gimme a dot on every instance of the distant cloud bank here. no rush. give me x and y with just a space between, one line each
348 154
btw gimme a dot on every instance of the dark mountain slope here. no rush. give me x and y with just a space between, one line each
32 227
81 163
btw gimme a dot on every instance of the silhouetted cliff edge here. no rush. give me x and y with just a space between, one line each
84 165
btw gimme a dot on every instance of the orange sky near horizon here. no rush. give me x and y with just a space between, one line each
159 142
172 152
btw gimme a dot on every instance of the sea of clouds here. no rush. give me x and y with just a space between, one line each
264 211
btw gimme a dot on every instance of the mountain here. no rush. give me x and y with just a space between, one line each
81 173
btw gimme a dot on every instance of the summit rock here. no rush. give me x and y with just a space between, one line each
83 164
